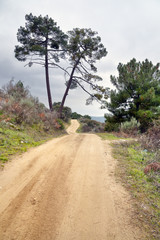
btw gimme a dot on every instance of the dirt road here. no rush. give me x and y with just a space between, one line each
64 190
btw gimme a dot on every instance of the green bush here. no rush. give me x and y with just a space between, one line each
111 127
61 124
145 118
112 123
66 112
131 126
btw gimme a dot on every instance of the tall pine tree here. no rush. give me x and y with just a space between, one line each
41 42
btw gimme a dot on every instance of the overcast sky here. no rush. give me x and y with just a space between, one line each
128 28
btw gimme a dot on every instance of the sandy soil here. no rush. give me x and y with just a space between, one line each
64 190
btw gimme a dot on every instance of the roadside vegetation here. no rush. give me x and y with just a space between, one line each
135 113
108 136
87 124
138 167
92 126
24 121
138 170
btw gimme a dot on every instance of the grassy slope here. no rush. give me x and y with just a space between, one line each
17 139
144 189
107 136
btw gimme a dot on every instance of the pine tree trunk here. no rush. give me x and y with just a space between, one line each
47 79
67 89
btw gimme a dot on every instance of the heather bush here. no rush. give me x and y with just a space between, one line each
66 112
151 139
22 108
49 120
88 125
22 111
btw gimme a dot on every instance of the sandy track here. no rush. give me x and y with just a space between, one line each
64 190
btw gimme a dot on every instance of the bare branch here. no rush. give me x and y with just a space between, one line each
84 89
56 65
90 83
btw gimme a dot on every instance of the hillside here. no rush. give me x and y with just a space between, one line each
24 121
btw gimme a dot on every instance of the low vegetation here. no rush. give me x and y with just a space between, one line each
18 140
139 168
108 136
143 185
88 125
24 121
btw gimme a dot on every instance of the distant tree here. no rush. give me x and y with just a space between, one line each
41 42
76 115
137 93
84 49
87 117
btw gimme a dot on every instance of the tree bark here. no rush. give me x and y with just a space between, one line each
47 78
138 103
67 89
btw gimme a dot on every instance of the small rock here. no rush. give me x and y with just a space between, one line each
33 201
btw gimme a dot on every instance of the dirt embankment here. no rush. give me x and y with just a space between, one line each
64 190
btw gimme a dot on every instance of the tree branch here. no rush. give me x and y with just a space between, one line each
84 89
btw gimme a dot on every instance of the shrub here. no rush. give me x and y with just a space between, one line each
17 103
49 120
66 112
19 107
88 125
155 166
111 127
60 124
17 90
151 139
22 111
130 127
112 123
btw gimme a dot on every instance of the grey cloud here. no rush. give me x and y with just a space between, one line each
127 28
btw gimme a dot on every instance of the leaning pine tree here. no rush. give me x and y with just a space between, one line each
41 42
83 50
